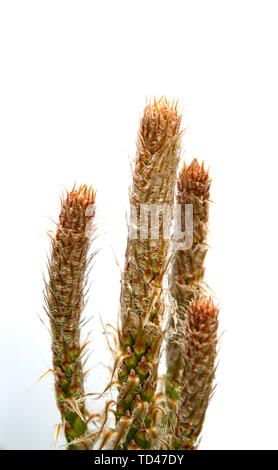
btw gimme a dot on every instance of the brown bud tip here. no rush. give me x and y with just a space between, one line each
159 122
77 208
132 373
203 320
194 179
204 311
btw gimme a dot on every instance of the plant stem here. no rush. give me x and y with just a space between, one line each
65 303
142 302
199 355
187 274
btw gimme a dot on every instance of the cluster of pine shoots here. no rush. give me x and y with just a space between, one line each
163 307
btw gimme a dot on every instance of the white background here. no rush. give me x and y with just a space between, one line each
75 76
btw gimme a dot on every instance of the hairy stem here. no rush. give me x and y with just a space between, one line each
142 297
199 355
65 303
187 274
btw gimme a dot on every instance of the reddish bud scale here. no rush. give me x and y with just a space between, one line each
142 303
65 303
